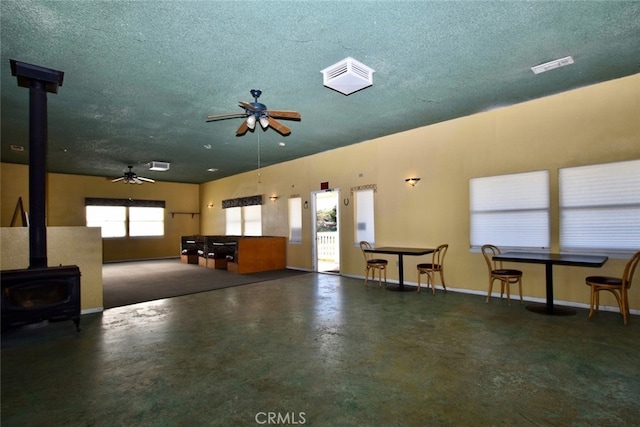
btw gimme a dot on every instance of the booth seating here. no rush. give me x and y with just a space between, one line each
218 250
189 247
238 254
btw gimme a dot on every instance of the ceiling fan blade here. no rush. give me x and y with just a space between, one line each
117 179
279 114
242 129
247 106
276 125
214 117
141 178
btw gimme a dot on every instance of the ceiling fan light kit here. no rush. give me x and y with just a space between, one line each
130 177
257 112
251 122
348 76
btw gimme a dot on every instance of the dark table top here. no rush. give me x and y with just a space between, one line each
400 250
554 258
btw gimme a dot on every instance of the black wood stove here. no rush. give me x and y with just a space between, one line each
39 292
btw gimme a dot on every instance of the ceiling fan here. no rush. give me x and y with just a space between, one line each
130 177
257 112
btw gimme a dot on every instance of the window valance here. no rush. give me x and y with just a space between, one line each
242 201
373 187
99 201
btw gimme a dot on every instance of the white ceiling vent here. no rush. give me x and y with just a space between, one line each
348 76
159 166
551 65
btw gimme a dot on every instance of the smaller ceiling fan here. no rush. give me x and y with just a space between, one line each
257 112
130 177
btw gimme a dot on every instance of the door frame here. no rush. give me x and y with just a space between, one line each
314 227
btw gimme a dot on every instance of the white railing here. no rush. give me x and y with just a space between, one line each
328 249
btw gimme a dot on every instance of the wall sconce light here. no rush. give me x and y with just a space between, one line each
273 198
210 205
412 181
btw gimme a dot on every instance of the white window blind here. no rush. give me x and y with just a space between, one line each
126 217
233 219
510 210
146 221
252 220
111 219
295 220
600 208
365 229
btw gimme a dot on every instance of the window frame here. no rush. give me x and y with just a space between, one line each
241 219
364 215
295 220
599 208
126 220
502 205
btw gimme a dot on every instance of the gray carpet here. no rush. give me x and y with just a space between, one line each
132 282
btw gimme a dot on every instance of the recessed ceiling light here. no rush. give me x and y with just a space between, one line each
551 65
281 144
212 170
207 146
17 148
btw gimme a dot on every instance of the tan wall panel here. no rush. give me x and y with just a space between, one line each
81 246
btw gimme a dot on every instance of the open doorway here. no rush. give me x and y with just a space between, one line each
326 231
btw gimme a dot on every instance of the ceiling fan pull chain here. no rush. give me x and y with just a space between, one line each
259 177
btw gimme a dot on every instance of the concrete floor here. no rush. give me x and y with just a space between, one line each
323 350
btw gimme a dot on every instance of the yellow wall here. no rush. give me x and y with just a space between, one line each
81 246
65 207
596 124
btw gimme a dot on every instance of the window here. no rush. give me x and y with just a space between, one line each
146 221
243 216
252 220
510 210
233 218
125 217
295 220
112 219
365 229
244 221
600 208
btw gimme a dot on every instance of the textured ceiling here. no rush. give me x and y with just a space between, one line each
141 77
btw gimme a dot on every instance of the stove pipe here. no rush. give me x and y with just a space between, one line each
39 80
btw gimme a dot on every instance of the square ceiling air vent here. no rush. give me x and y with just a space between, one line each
159 166
348 76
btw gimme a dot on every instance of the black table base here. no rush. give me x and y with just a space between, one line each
398 288
554 311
